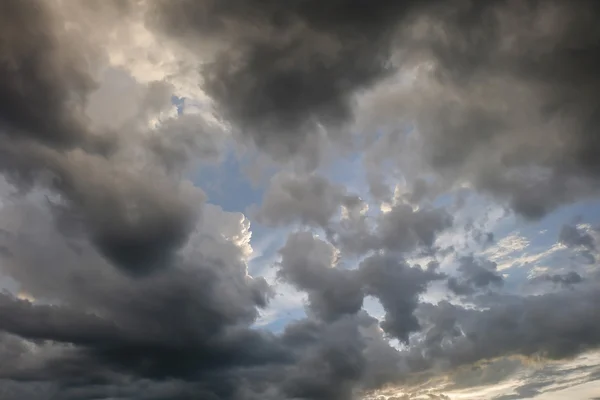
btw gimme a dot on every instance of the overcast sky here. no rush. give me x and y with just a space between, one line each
299 200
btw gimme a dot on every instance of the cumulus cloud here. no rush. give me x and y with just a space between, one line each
45 78
311 265
397 286
461 71
128 284
311 200
283 71
474 275
510 325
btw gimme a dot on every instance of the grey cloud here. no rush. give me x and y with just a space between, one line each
508 105
525 391
311 200
285 70
182 332
511 326
111 329
114 179
136 224
404 229
570 278
474 275
182 323
486 372
581 242
505 98
310 264
397 286
47 140
570 236
337 358
45 79
342 359
179 141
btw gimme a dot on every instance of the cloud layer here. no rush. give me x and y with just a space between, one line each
124 281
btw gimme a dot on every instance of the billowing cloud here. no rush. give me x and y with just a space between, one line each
502 96
311 265
45 78
397 286
280 72
121 280
474 275
511 325
311 200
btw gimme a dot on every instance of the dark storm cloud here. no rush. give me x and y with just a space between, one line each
474 275
136 223
190 322
286 68
341 358
330 369
45 78
107 334
46 139
505 97
511 326
183 332
397 286
513 111
310 264
509 101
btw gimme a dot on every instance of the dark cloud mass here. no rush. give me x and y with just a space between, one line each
504 78
45 77
310 264
289 67
398 287
46 137
506 98
122 282
509 326
474 275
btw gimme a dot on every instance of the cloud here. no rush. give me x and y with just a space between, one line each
310 264
310 200
512 325
397 286
581 241
125 283
570 278
45 79
474 275
570 236
120 323
280 72
501 95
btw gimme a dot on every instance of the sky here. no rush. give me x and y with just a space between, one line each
299 200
